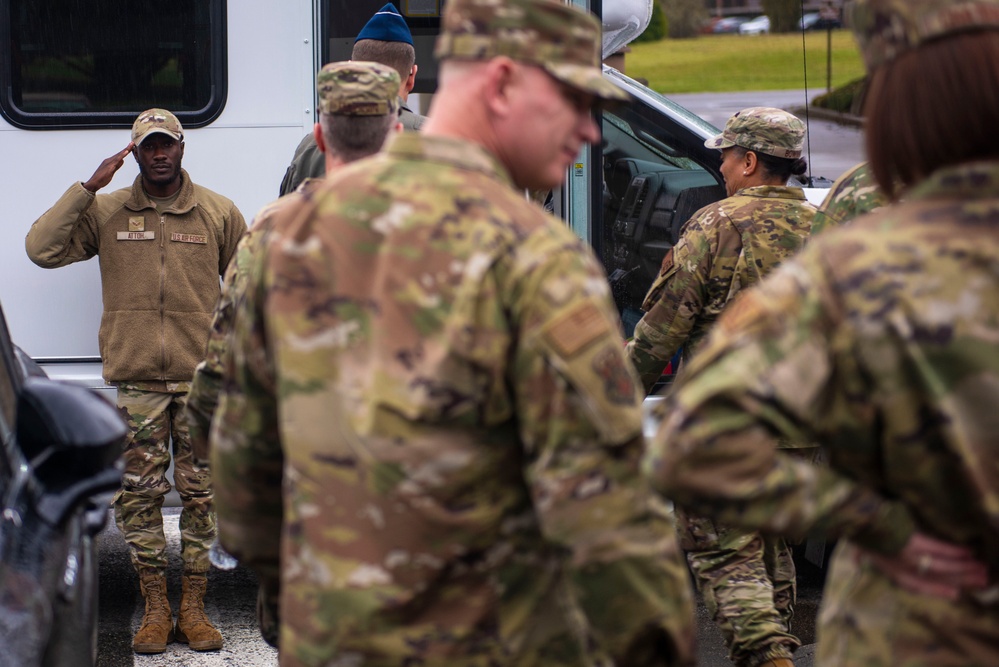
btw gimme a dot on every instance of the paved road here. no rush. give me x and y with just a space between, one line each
833 147
231 602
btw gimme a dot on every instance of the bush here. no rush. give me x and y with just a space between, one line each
847 98
657 26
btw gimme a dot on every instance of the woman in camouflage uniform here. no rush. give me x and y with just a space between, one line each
747 580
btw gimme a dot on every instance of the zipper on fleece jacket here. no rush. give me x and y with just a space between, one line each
162 297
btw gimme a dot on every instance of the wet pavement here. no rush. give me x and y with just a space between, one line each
231 601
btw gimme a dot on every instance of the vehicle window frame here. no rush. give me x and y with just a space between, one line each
121 118
671 137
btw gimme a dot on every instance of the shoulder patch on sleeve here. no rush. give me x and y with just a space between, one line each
576 329
667 262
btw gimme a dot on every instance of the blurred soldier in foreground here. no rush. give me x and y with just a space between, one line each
385 39
880 341
852 195
747 579
358 105
433 370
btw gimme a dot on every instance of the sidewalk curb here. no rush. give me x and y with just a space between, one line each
827 114
805 656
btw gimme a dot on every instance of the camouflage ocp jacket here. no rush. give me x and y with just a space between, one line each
427 408
725 247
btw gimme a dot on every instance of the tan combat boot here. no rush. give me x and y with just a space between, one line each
193 626
156 630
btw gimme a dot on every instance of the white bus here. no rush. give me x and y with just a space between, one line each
240 76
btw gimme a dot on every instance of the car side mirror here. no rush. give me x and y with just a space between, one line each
72 439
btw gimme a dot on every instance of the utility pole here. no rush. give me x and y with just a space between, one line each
828 15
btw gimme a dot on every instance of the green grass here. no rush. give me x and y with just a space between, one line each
728 63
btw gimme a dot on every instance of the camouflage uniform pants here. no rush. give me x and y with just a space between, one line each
748 584
155 418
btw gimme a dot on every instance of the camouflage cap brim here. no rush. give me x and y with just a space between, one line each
158 130
586 78
719 141
724 140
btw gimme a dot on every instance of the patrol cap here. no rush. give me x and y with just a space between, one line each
763 130
387 25
153 121
561 39
358 88
887 28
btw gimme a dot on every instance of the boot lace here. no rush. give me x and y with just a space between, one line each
193 604
156 604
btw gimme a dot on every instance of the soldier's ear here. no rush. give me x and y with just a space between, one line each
501 78
410 81
317 133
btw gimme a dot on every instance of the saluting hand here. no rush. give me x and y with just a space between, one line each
106 171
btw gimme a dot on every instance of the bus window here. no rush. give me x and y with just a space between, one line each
71 63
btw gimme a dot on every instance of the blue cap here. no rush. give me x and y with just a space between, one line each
387 25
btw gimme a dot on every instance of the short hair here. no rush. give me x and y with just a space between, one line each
782 168
932 107
400 56
354 137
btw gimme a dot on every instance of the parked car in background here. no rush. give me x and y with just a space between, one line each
59 451
728 24
757 26
808 21
815 21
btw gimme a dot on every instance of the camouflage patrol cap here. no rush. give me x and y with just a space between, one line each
153 121
561 39
886 28
763 130
358 88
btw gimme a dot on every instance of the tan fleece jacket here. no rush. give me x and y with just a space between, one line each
159 271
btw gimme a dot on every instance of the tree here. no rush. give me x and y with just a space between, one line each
656 29
784 14
684 17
